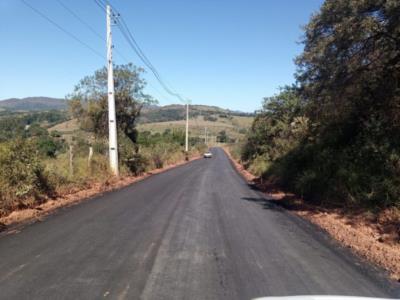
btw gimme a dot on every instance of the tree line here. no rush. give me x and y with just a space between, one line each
334 136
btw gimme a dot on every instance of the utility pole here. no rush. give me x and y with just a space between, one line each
205 135
112 122
187 128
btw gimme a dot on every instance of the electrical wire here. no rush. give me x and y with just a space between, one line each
128 36
101 5
97 34
75 15
158 91
124 29
71 35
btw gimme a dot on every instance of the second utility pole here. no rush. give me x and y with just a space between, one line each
187 128
112 122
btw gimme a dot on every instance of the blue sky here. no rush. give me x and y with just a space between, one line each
229 53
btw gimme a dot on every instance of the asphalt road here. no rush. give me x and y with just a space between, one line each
195 232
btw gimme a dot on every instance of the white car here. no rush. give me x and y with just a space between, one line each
208 154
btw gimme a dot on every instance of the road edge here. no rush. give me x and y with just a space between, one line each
39 212
367 267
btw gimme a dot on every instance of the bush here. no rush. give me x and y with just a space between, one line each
210 118
259 165
137 164
23 179
49 146
157 160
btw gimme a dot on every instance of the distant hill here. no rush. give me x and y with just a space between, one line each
177 112
202 117
33 104
172 117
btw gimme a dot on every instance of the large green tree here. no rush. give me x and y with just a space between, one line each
349 75
277 126
346 106
350 68
88 102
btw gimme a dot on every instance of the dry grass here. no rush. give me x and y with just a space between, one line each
197 125
232 126
75 195
66 127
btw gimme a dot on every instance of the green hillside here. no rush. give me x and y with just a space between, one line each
176 112
33 104
172 117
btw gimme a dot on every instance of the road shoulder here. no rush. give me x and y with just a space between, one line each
363 236
17 219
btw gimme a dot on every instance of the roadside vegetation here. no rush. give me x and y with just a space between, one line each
328 146
39 162
333 137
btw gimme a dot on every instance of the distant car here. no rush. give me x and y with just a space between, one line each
208 154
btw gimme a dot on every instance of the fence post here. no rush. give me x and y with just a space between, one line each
71 158
90 158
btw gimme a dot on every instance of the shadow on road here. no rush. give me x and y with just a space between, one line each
287 202
265 203
386 221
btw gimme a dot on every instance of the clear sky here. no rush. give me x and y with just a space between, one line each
228 53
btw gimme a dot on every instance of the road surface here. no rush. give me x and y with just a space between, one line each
195 232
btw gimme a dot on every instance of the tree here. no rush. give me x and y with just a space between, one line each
88 102
222 137
350 68
349 74
278 127
336 135
23 176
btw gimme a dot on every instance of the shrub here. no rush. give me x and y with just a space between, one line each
49 146
210 118
23 177
157 160
259 165
137 164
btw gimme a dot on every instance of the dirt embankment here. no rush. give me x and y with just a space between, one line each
73 197
374 236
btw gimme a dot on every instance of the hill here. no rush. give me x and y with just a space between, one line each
202 117
33 104
172 117
177 112
235 127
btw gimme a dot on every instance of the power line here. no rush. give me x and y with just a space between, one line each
120 22
125 32
71 35
75 15
131 40
97 34
101 5
158 91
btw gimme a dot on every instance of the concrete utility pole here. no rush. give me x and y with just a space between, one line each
187 129
112 122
